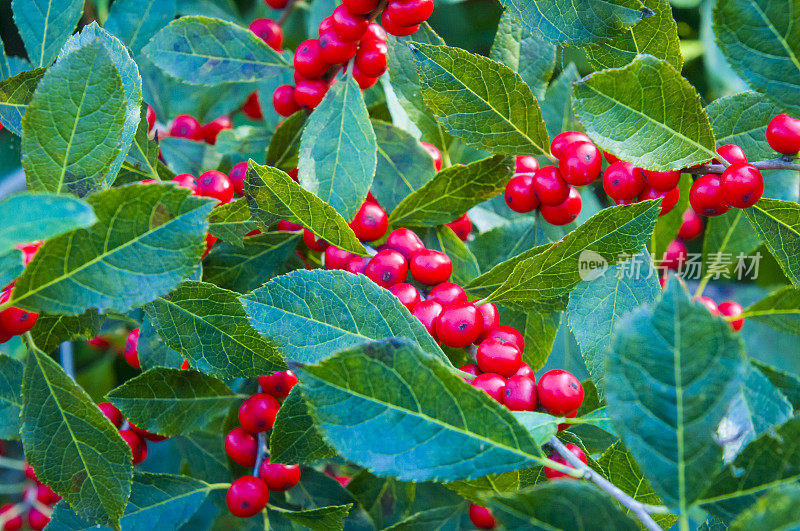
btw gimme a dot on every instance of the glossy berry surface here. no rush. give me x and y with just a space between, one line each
336 50
132 348
428 313
481 517
405 241
185 126
509 335
309 93
336 258
371 58
210 131
283 100
370 222
447 293
258 412
662 181
692 225
562 140
186 180
742 185
409 12
394 28
668 199
490 317
783 134
525 164
111 412
237 176
462 226
558 458
520 394
241 446
732 309
675 255
580 163
565 212
519 193
407 294
12 523
493 384
471 369
559 392
549 186
313 242
732 153
268 31
349 26
215 184
623 180
308 59
16 321
498 356
435 154
279 477
459 325
252 107
278 384
387 268
360 7
430 267
358 265
706 196
709 304
137 445
247 496
37 520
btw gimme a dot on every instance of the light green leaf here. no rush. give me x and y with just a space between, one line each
762 44
777 509
135 22
473 490
273 195
10 397
465 265
780 310
244 142
45 216
147 239
208 51
231 222
484 103
15 95
539 326
490 281
172 401
742 119
70 444
557 104
778 224
45 25
507 241
142 159
284 147
51 330
645 113
338 149
72 129
452 192
673 356
208 326
322 519
311 315
294 438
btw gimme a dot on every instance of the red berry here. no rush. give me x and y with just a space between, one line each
409 12
559 392
710 305
308 59
580 163
562 140
371 58
519 194
623 180
663 181
404 241
611 159
37 520
132 348
370 222
407 294
258 412
151 118
565 212
279 477
276 4
434 152
394 28
549 186
387 268
46 495
146 434
186 180
732 153
336 258
428 313
358 265
335 50
111 413
314 243
137 445
742 185
732 309
29 251
498 356
241 446
283 100
525 370
14 523
783 134
252 107
185 364
493 384
520 394
490 317
215 184
30 473
374 33
360 7
692 225
349 26
555 456
268 31
668 199
525 164
16 321
675 255
447 293
364 81
278 384
508 335
706 196
310 93
185 126
211 130
236 177
459 325
430 267
472 369
287 226
481 517
461 226
247 496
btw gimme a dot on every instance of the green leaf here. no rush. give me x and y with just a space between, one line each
777 509
450 429
559 505
290 311
452 192
506 241
208 326
624 472
465 265
142 159
788 384
204 455
596 306
45 25
208 51
172 401
645 113
726 237
284 147
557 104
244 269
294 438
386 500
673 356
780 310
742 119
655 35
70 444
231 222
135 22
338 149
762 45
162 499
403 165
11 266
188 156
446 517
494 278
243 143
10 397
539 327
322 519
778 224
273 195
11 66
524 52
576 24
152 350
474 490
484 103
51 330
147 239
614 234
15 95
72 129
45 216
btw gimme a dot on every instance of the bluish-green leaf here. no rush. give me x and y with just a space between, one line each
386 500
45 25
778 224
141 162
10 397
556 107
15 95
11 266
231 222
322 518
780 310
777 509
152 350
295 438
10 66
284 146
134 22
742 119
524 52
725 238
188 156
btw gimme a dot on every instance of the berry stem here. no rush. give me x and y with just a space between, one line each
771 164
287 12
639 509
67 358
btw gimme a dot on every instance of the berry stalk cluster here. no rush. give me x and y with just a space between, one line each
35 508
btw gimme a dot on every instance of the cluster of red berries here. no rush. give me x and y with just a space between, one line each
187 126
677 252
135 437
16 321
730 309
248 495
37 501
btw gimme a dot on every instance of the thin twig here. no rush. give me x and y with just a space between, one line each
641 510
771 164
287 11
67 359
262 453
